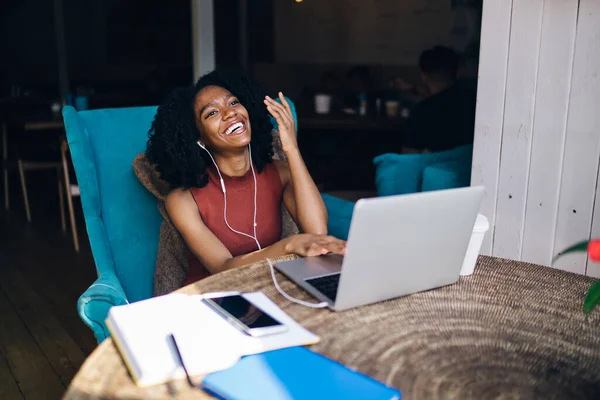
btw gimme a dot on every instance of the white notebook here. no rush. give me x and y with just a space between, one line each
207 342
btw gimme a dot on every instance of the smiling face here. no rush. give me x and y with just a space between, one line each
222 121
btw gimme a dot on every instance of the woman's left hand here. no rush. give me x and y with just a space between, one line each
285 121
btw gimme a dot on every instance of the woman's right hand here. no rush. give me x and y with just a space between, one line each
308 244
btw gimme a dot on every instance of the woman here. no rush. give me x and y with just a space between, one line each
213 145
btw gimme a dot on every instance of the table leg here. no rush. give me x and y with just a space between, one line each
24 188
61 200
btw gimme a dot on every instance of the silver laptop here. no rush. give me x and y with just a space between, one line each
397 245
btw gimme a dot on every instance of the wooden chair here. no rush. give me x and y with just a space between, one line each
63 180
24 166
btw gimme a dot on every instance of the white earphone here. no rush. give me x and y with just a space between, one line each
225 195
284 294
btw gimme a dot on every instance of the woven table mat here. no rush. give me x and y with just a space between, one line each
511 330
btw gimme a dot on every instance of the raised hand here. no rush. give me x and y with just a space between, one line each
282 113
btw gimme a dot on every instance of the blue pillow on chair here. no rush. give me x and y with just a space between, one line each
398 173
403 173
447 175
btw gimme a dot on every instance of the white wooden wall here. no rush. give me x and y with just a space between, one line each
537 132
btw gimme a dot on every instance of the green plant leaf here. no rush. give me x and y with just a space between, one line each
593 298
581 246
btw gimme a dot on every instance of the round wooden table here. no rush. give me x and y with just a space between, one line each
511 330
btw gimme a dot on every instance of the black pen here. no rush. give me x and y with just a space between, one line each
189 379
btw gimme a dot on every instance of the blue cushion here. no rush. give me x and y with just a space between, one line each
448 175
339 216
403 173
398 173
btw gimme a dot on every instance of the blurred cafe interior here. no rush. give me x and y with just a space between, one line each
356 70
350 66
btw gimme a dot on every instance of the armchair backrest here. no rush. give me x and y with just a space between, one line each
121 216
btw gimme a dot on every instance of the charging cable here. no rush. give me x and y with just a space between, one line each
290 298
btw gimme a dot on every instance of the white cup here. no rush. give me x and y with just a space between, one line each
322 103
481 227
391 108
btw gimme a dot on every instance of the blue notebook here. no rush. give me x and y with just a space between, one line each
294 373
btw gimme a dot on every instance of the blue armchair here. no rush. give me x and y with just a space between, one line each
122 218
404 174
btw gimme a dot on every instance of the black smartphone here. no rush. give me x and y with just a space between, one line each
245 316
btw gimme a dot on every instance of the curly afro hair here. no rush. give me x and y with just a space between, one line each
172 139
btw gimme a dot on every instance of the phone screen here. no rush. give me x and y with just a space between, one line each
245 312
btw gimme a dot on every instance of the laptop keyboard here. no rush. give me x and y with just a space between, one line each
327 285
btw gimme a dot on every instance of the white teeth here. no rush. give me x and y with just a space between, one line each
233 127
